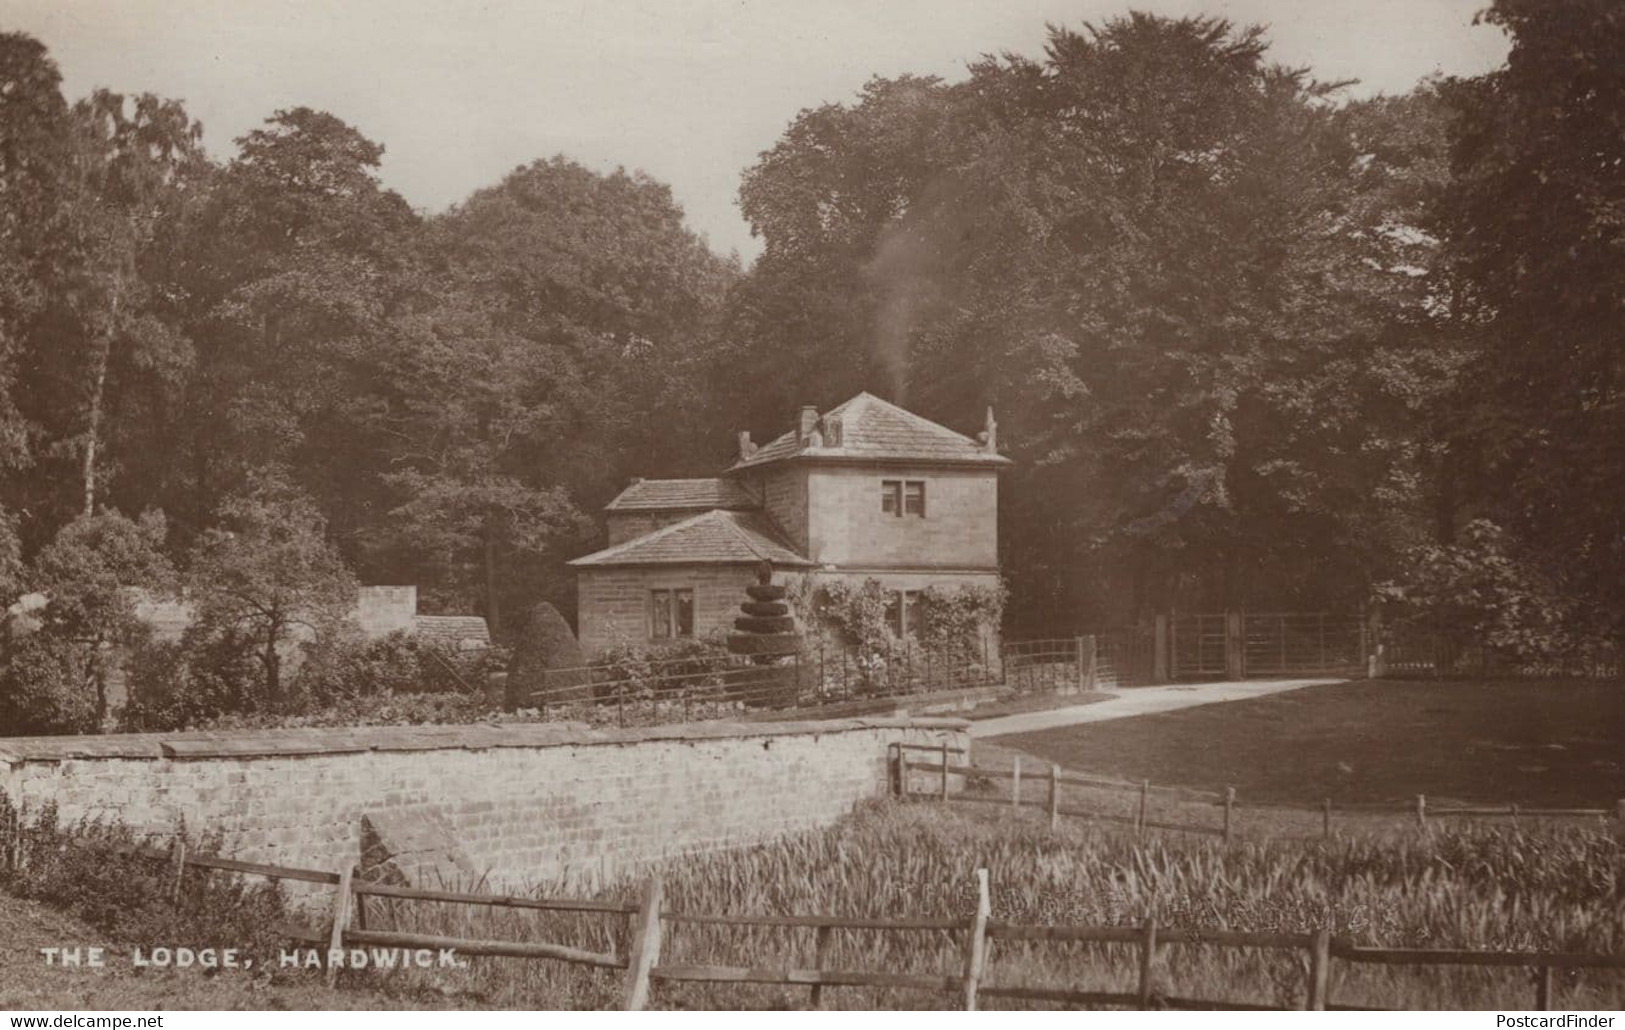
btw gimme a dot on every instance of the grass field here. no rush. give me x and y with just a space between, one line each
1557 744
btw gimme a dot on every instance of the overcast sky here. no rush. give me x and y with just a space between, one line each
690 91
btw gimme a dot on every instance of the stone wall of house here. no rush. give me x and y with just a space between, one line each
959 531
784 496
526 804
612 603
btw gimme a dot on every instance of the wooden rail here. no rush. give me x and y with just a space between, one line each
647 919
942 771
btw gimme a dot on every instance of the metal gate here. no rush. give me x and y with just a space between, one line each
1244 644
1197 646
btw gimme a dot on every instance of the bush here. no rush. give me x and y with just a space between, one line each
694 665
209 672
133 898
546 643
45 686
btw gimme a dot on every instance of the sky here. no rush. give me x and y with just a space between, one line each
689 91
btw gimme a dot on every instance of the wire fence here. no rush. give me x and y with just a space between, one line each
1415 652
712 684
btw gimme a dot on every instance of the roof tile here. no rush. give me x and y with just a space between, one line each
713 537
875 429
680 494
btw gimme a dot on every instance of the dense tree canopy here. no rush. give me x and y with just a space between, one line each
1251 342
1190 280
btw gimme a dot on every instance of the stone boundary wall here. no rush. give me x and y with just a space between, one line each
554 805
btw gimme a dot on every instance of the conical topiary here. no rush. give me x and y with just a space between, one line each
766 633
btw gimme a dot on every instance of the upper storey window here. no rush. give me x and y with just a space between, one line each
901 497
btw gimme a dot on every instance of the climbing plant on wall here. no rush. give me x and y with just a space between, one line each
953 619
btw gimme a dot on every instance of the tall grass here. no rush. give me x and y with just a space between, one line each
1552 888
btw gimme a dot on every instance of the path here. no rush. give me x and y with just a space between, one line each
1133 701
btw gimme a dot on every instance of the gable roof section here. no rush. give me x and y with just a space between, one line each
682 494
874 429
713 537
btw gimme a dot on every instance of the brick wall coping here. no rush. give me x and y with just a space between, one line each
351 740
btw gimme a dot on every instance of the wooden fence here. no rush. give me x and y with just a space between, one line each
641 967
1052 778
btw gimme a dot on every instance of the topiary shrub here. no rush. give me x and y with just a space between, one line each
546 643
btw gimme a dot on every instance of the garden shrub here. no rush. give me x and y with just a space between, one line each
133 899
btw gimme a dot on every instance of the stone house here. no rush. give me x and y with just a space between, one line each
866 490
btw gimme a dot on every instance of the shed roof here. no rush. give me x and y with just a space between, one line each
713 537
456 632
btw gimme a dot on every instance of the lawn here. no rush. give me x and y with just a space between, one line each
1528 743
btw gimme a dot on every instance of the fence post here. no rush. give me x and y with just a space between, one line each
1159 650
1543 989
1229 809
1148 951
896 770
1092 672
1054 797
359 901
1015 783
945 770
620 705
1422 811
820 956
1139 819
976 946
1235 647
1326 819
645 947
180 870
341 919
1320 965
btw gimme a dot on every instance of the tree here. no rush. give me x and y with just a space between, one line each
270 572
1182 274
34 160
54 669
552 345
1535 218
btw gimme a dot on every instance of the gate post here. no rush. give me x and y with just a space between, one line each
1235 647
1159 651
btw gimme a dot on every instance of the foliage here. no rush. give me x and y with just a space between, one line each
858 612
1190 280
44 687
54 671
630 672
1533 229
546 643
272 573
891 861
178 685
1475 592
955 621
342 665
133 898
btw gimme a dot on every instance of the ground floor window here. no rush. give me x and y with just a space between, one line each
671 613
905 615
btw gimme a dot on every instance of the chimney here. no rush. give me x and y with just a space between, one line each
990 433
809 420
746 448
